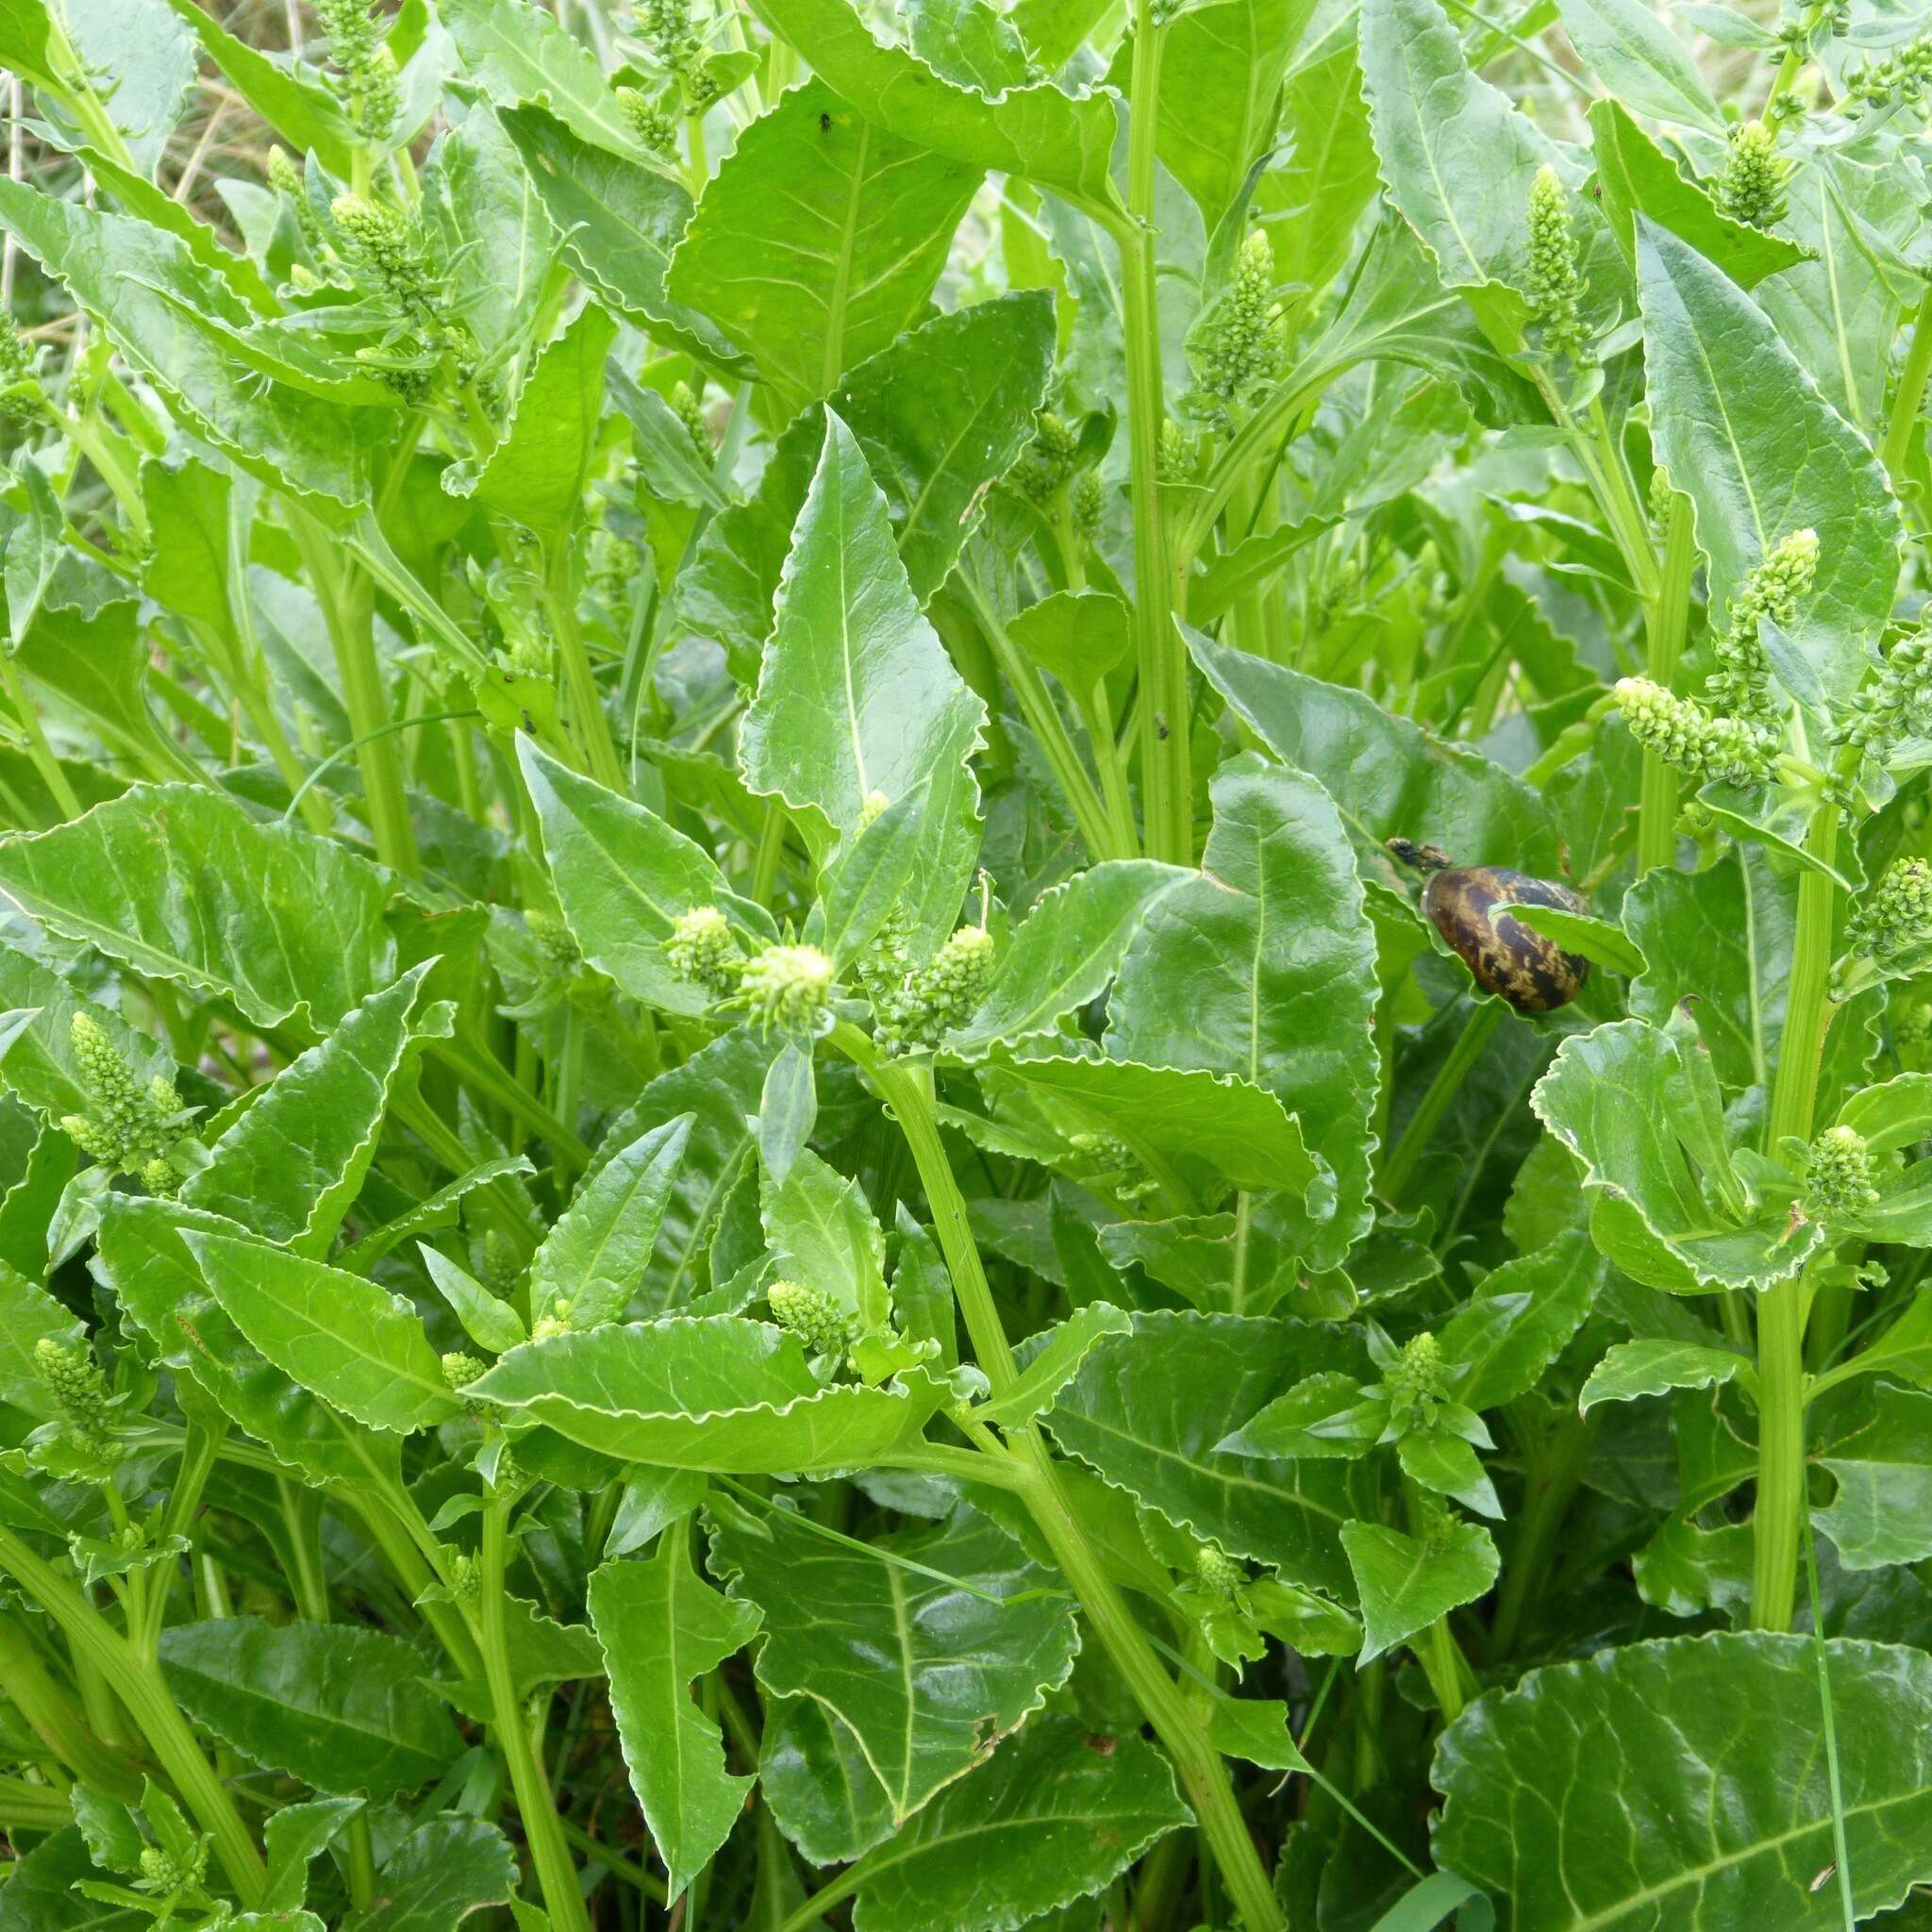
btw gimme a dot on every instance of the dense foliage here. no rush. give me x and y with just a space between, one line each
962 966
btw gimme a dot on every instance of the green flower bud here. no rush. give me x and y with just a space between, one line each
1899 78
20 377
79 1390
1219 1572
1415 1384
553 939
671 35
1895 915
702 950
1049 460
1689 739
129 1127
1557 287
1661 493
1839 1175
812 1314
1173 453
689 411
789 987
163 1873
161 1178
654 129
1238 345
498 1266
1089 506
460 1370
873 803
388 245
465 1577
942 994
1898 705
1751 189
358 52
1741 687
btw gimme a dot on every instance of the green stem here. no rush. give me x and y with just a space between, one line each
38 750
557 1872
1667 620
50 1713
906 1088
771 854
1097 715
1166 777
145 1695
1902 426
1781 1309
583 701
1399 1169
1551 1480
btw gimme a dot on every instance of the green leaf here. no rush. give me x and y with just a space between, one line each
536 473
181 884
1640 60
513 54
1147 1410
41 1895
1064 142
668 460
145 1254
343 1709
624 877
1637 177
1053 1364
822 1232
663 1625
178 324
1713 1806
1404 1584
291 1166
1065 952
293 1838
29 1314
1388 778
1607 1098
856 694
1264 968
141 67
1056 1818
438 1875
1634 1369
1760 454
356 1345
488 1322
1310 199
597 1254
1602 942
620 220
436 1211
815 1777
927 1675
868 219
712 1391
1883 1511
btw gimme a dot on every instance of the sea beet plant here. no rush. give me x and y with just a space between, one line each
965 965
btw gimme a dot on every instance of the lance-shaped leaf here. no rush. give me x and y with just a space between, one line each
512 54
927 1674
1655 1367
1762 454
160 1288
712 1391
868 219
1053 1363
663 1625
1498 1343
291 1166
624 877
1063 141
1640 60
358 1346
180 883
856 694
438 1875
1147 1410
940 414
535 473
594 1257
344 1708
1056 1818
1686 1783
1264 968
1066 951
620 220
824 1233
1609 1098
1406 1583
178 324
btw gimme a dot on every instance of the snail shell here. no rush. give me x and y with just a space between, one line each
1533 974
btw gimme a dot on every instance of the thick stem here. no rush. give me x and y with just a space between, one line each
145 1696
906 1090
1669 618
583 701
1166 779
50 1712
557 1872
1904 424
1405 1157
38 750
1781 1309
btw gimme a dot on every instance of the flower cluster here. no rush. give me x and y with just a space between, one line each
127 1128
1751 187
1837 1173
19 377
1740 687
1895 915
74 1380
700 949
820 1323
672 36
654 127
930 1000
689 411
789 988
1048 460
1238 345
360 55
1898 704
1689 739
1556 279
1415 1386
388 246
1900 77
553 939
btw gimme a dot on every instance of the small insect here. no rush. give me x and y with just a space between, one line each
824 123
1533 974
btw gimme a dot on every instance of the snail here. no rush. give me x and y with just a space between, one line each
1534 974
